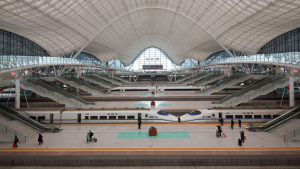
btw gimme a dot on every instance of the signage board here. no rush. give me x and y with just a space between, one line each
152 66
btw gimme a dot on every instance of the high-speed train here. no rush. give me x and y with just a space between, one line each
246 115
157 89
131 116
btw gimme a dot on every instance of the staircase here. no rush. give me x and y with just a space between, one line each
21 116
121 79
196 78
98 81
105 77
232 80
209 79
287 127
44 89
14 128
185 78
70 80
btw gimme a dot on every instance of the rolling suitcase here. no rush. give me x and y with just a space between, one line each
240 142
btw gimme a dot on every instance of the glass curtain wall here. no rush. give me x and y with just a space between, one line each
152 56
16 45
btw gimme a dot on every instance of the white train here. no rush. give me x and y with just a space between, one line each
100 116
131 116
157 89
246 115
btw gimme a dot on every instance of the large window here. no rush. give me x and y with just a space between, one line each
152 56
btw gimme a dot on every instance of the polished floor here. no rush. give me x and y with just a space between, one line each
202 138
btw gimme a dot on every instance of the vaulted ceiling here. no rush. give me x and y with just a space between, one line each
121 29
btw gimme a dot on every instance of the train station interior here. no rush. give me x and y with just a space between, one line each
150 84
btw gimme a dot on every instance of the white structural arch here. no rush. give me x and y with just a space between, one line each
197 26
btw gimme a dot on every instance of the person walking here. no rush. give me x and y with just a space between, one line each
16 141
40 139
222 121
139 123
87 137
240 123
217 131
91 135
242 136
232 124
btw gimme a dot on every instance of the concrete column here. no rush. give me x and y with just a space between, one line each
291 88
229 71
78 75
130 77
17 89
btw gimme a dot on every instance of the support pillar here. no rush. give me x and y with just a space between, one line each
229 71
17 89
291 88
78 75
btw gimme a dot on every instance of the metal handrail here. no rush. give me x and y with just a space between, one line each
292 134
12 133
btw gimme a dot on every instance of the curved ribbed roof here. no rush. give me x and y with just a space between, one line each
121 29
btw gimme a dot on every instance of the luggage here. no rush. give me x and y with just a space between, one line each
95 140
14 145
240 142
244 137
224 135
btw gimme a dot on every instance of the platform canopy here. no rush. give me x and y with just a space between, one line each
122 29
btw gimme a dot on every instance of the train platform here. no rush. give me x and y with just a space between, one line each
176 144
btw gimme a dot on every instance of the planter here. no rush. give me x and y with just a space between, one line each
152 132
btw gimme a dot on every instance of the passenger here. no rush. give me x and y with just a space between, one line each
16 141
87 137
240 122
217 131
222 121
91 135
242 136
213 115
40 139
220 130
139 123
232 124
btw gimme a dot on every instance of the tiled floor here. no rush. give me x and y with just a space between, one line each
201 136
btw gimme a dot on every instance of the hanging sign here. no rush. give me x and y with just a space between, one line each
152 66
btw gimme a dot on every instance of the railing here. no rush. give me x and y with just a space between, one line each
231 78
240 91
12 133
14 117
63 92
98 81
63 98
207 79
261 88
292 134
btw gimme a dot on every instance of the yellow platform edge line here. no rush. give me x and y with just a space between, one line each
153 149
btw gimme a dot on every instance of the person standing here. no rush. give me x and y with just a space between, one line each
232 124
40 139
139 123
217 131
220 130
242 136
240 123
16 141
222 121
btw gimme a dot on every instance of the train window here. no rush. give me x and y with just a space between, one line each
86 117
32 117
162 113
238 116
229 116
195 112
257 116
121 117
248 116
130 117
112 117
267 116
94 117
102 117
274 116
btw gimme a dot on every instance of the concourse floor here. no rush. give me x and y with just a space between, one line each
171 137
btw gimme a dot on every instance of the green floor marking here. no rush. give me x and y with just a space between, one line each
160 135
141 105
165 105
